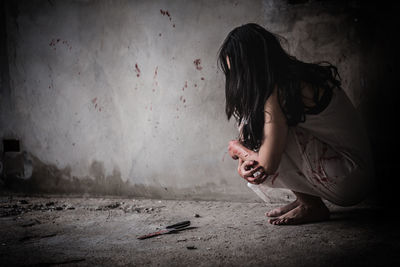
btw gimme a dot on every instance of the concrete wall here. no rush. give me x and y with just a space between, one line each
125 98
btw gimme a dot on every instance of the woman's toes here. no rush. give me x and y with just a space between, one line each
277 222
271 221
272 213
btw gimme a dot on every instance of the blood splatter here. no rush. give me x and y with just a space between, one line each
223 157
94 100
155 72
202 78
165 12
197 63
137 70
54 42
274 177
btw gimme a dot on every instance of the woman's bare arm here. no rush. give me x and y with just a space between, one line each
275 135
267 160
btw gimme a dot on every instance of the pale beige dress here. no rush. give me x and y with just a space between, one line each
327 156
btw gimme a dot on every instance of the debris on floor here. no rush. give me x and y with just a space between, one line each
98 230
23 206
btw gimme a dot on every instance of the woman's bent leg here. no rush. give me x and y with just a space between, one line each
313 170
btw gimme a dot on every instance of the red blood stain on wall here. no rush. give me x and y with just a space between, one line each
155 73
137 70
54 42
165 12
155 83
94 102
197 63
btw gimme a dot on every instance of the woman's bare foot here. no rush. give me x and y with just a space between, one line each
309 209
282 210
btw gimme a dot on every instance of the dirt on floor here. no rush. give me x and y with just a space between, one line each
55 231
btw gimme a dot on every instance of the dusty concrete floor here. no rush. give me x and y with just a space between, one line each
95 231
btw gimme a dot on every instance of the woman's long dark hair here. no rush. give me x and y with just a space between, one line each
258 64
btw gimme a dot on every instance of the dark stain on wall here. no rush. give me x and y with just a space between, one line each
49 180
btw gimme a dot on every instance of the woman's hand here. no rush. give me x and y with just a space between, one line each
251 171
238 151
248 168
